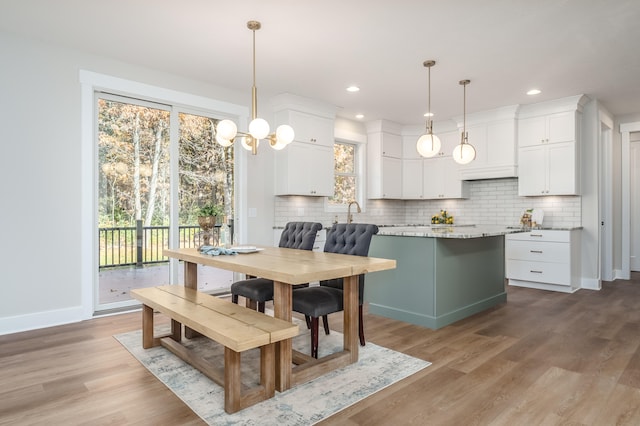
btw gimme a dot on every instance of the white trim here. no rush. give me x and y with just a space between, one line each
590 284
38 320
90 83
625 129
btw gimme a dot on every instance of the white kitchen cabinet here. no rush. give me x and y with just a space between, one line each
305 166
549 147
448 141
441 179
305 169
432 178
308 128
548 169
384 160
544 259
412 179
546 129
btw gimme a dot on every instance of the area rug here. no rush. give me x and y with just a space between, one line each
306 404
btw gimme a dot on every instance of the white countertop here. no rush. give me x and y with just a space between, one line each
443 231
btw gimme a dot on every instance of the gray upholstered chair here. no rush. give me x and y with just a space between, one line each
316 302
297 235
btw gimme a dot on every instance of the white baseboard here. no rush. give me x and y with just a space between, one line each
618 274
591 284
37 320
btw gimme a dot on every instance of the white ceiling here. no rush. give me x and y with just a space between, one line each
318 48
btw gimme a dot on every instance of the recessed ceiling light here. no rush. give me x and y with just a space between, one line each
353 89
533 92
359 116
428 114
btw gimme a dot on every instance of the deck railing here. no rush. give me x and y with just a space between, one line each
139 245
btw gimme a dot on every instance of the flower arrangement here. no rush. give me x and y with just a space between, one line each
442 219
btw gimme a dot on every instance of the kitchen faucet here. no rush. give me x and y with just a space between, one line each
349 215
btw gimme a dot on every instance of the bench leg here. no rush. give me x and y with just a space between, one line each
232 385
268 369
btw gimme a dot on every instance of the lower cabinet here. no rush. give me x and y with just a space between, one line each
544 259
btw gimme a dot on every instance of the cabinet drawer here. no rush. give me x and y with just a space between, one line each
538 251
544 272
542 235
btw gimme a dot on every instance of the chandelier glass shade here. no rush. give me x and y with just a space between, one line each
465 152
428 145
227 131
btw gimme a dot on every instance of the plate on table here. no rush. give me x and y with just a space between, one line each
246 249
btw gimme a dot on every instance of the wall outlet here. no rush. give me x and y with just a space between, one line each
252 212
300 211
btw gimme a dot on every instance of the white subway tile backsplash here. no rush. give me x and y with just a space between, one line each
491 202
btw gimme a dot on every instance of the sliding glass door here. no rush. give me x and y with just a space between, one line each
137 189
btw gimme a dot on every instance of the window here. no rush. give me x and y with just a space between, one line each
135 195
345 174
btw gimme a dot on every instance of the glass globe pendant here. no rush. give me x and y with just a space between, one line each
428 145
465 152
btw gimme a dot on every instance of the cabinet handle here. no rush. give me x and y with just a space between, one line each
313 140
536 251
535 235
536 272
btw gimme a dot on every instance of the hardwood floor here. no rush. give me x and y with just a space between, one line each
541 358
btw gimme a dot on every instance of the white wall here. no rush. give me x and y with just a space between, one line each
40 176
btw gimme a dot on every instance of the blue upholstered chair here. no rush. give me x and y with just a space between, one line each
297 235
316 302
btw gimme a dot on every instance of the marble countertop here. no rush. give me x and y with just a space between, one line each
440 231
456 231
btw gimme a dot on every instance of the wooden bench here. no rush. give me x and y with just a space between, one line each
236 327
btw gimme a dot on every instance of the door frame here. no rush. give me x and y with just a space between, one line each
606 199
625 130
90 82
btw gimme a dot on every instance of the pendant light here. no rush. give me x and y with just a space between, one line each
428 144
465 152
226 130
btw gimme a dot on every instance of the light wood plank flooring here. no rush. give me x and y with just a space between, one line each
541 358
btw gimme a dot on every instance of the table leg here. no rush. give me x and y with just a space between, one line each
282 308
147 327
351 340
190 281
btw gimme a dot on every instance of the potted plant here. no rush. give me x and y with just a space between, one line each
208 216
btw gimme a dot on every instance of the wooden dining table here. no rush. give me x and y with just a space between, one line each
288 267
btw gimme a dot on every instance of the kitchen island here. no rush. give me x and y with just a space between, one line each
443 274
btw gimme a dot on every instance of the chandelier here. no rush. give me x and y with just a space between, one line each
428 144
465 152
227 131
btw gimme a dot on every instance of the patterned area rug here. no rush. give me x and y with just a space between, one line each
305 404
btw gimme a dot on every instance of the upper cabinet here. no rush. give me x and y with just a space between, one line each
305 166
549 147
309 128
551 128
493 135
384 160
437 177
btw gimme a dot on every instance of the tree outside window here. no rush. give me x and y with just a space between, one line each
345 187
